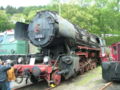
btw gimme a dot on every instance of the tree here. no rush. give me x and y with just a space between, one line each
4 21
1 8
18 17
11 10
96 16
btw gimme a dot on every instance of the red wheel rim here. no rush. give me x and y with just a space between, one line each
56 78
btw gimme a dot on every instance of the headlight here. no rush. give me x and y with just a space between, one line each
8 61
20 59
46 59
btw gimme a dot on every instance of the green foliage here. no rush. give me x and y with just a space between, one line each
96 16
11 10
111 40
18 17
79 16
4 21
1 8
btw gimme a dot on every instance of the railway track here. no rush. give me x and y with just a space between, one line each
36 87
111 86
106 86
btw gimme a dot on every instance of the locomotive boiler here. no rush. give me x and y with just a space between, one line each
65 48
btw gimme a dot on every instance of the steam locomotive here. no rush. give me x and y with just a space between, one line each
66 49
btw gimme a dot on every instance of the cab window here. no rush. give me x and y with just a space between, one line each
114 50
10 38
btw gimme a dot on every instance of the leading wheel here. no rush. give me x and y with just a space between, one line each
56 78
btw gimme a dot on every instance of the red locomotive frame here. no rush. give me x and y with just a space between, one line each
50 71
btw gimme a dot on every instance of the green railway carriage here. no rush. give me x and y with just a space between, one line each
11 46
14 49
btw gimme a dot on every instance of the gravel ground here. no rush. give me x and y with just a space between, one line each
16 85
91 80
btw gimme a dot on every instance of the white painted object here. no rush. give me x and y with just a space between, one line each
32 61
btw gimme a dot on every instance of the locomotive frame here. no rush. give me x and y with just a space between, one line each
51 72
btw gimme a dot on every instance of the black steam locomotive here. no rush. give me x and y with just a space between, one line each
65 48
